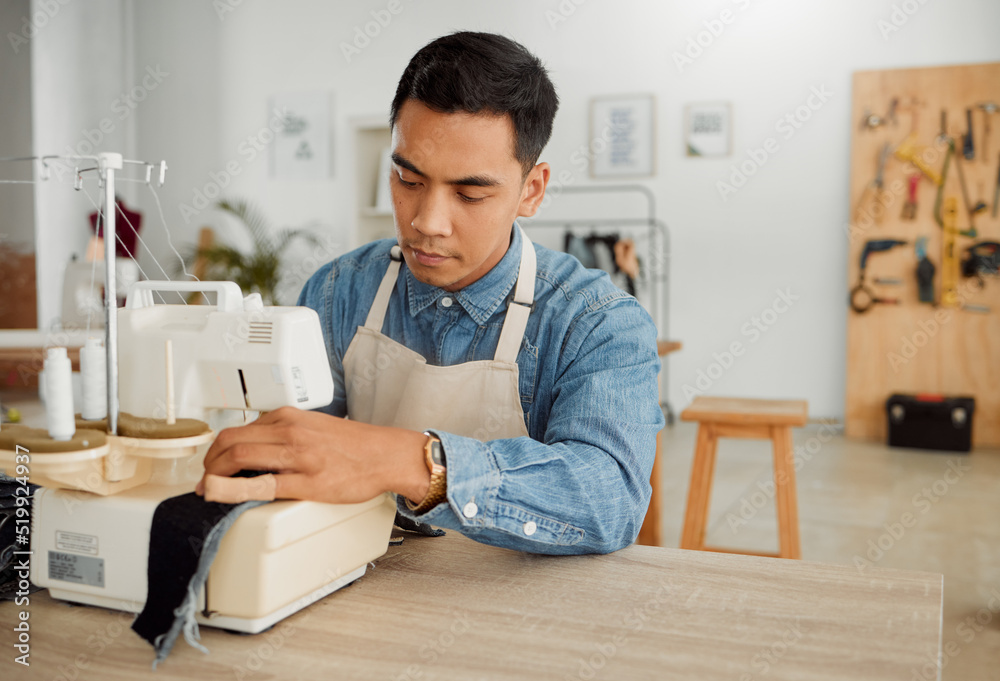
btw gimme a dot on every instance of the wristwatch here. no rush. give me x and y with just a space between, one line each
436 493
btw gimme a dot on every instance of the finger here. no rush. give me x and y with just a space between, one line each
251 456
250 434
237 490
293 486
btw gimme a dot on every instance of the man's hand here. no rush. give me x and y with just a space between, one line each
323 458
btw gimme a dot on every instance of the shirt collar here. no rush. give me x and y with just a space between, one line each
481 298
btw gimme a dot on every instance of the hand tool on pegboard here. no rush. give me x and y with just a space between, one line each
872 121
925 273
910 207
979 259
971 231
968 147
996 190
949 258
988 108
863 298
972 209
875 189
908 152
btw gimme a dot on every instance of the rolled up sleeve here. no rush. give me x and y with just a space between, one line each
584 487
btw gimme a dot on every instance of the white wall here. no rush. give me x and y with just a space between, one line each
17 220
782 230
79 66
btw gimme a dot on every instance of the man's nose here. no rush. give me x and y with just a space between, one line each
432 217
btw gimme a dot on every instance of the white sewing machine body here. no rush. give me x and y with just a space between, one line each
276 559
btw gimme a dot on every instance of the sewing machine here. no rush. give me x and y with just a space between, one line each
91 521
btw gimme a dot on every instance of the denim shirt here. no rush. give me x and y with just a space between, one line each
588 386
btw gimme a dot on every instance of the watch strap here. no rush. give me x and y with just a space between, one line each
438 489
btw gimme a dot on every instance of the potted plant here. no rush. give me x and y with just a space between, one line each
258 270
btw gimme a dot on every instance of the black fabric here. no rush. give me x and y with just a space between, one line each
176 538
180 552
404 523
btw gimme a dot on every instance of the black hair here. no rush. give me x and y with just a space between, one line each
484 73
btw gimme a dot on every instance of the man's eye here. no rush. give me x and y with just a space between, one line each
470 199
407 184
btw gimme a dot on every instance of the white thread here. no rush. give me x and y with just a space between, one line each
59 395
170 242
93 371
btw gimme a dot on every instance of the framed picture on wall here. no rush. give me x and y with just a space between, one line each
622 136
707 130
301 146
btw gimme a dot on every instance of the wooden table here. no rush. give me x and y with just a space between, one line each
450 608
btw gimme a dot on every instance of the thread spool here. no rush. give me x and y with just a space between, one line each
59 395
93 372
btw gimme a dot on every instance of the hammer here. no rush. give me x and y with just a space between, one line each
989 108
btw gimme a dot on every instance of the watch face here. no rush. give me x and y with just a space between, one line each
437 453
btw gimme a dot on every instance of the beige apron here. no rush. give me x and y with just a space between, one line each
390 385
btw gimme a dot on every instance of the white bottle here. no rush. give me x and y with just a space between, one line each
59 395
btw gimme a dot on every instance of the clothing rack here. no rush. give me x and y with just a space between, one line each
654 259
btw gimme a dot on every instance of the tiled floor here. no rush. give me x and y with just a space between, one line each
853 501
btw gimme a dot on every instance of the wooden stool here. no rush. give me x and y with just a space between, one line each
744 418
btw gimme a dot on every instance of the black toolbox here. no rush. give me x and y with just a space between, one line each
930 421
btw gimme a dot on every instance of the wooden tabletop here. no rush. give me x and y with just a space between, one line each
449 608
747 411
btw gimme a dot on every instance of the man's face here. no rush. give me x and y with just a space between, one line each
456 190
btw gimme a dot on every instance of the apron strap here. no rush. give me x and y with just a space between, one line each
376 313
519 308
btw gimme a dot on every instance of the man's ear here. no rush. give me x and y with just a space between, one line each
534 190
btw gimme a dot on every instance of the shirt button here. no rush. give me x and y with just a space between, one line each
446 302
530 528
470 510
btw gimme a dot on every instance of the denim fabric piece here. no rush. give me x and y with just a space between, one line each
587 380
184 539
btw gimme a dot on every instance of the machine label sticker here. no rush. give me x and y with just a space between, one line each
300 387
74 541
70 567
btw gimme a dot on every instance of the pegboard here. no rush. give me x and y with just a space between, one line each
914 347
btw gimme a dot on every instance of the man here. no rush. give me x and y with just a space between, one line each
498 388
